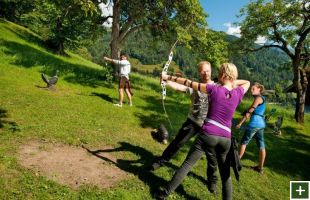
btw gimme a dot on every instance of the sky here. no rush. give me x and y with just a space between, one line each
222 14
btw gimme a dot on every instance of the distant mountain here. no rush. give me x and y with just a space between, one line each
268 66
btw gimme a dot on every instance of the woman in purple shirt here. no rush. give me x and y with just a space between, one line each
215 137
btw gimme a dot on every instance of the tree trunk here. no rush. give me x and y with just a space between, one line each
115 43
300 83
61 49
115 54
300 107
60 39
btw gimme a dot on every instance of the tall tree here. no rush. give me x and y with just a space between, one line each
173 15
286 26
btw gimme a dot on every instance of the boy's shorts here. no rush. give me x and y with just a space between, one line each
124 83
257 133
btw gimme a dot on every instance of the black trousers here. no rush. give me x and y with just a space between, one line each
188 130
216 149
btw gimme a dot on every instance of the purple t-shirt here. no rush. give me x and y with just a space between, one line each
222 106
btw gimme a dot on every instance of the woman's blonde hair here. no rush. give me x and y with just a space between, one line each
202 63
259 86
228 71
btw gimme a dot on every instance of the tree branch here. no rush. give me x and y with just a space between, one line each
271 46
126 28
302 38
265 47
131 30
304 56
280 39
104 19
303 26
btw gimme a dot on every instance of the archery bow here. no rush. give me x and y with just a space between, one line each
165 70
163 83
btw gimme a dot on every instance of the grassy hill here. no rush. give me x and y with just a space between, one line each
80 111
137 66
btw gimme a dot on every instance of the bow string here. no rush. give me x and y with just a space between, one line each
163 83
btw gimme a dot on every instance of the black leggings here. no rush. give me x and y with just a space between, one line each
216 149
188 130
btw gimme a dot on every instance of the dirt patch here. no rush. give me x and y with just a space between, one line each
68 165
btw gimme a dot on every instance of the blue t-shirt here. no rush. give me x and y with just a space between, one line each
257 119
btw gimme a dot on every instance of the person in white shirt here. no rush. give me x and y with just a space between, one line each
124 70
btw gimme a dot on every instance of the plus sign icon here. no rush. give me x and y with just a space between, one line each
299 190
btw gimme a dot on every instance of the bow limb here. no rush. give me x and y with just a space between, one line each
166 67
163 83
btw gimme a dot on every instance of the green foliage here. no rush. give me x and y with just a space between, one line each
149 50
211 47
279 92
12 10
282 17
280 96
64 23
284 23
164 18
83 52
188 26
100 48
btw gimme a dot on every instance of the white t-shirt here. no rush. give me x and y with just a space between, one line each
124 67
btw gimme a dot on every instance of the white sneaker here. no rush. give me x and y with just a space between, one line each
118 105
130 104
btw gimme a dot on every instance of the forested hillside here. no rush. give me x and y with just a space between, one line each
269 66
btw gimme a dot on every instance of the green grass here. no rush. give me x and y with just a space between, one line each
80 112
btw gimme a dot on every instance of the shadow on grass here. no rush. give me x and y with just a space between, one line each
177 113
27 56
12 126
41 87
137 167
24 34
288 154
103 96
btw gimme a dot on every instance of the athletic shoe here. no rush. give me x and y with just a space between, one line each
160 195
211 187
257 169
157 164
118 105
